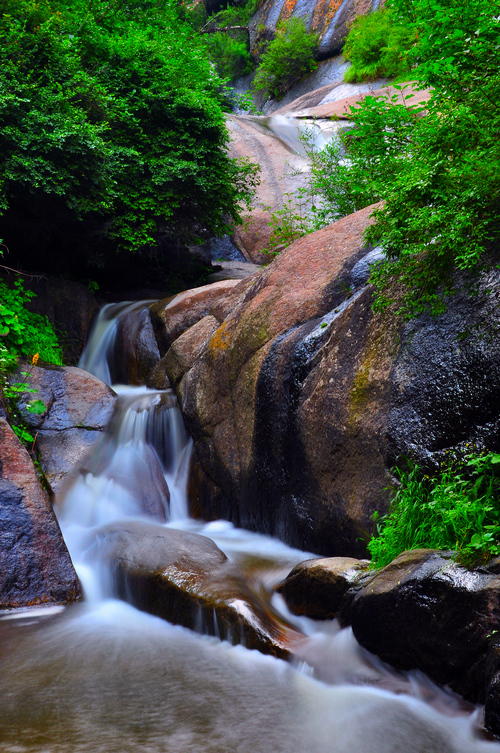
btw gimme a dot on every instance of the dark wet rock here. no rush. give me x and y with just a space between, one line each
69 306
184 351
78 410
136 350
425 611
186 579
173 316
35 566
315 588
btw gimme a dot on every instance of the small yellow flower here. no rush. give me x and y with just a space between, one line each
35 358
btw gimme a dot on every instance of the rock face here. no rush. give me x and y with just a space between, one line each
186 579
330 19
35 567
315 588
303 399
70 307
281 172
78 409
172 316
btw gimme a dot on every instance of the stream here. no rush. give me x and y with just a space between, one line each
103 676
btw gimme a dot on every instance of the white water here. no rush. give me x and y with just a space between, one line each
104 677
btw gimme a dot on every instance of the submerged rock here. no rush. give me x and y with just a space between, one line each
186 579
315 588
35 566
78 410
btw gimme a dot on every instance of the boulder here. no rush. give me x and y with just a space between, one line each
184 351
78 410
136 350
425 611
186 579
315 588
35 566
330 19
304 399
172 316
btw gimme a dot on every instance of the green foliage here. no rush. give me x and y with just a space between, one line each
229 50
295 219
457 508
23 332
377 45
288 58
110 113
438 171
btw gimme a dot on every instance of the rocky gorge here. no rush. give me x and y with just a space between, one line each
197 427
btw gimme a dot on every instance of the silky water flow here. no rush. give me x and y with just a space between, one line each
103 676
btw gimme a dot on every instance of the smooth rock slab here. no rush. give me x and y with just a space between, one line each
35 566
186 579
315 588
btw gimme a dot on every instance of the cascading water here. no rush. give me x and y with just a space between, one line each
104 676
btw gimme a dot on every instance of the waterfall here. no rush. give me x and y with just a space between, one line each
104 676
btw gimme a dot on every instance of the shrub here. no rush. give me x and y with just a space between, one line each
111 126
377 45
288 58
229 50
456 508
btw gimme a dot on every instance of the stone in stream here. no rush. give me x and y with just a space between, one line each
186 579
35 566
426 611
78 410
315 588
184 351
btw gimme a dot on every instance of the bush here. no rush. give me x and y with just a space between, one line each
457 508
111 127
377 45
229 50
288 58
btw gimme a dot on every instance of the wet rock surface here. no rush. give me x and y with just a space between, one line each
315 588
136 350
78 410
35 567
186 579
425 611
